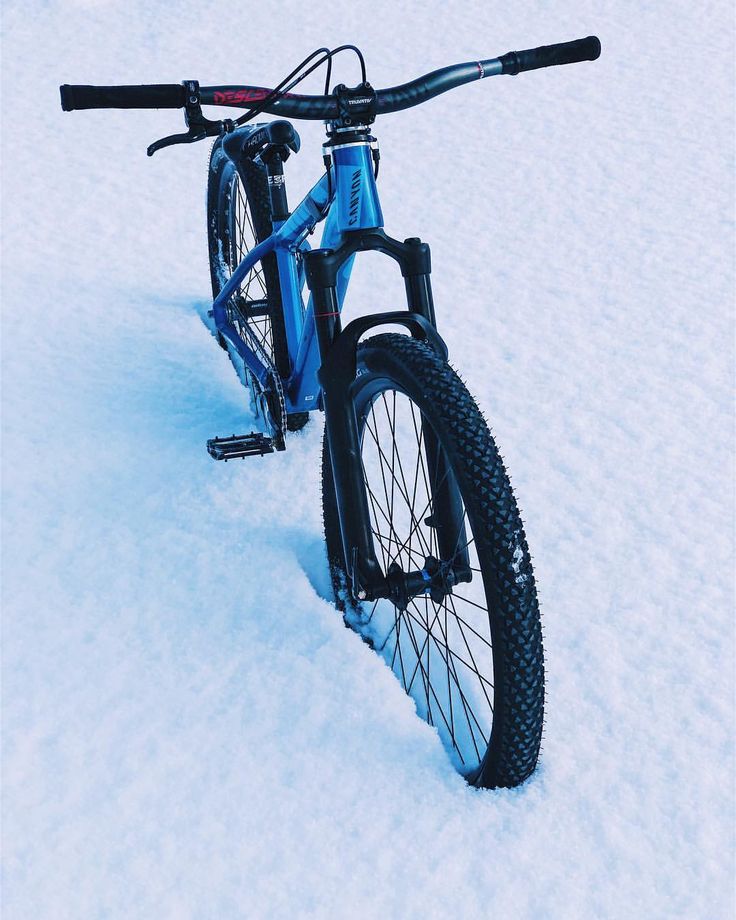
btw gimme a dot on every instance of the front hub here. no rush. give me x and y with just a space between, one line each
435 578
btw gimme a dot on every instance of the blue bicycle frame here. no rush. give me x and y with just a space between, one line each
322 354
349 199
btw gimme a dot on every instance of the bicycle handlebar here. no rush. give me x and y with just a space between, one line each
394 99
324 108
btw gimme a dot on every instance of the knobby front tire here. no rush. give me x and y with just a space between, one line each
471 660
238 217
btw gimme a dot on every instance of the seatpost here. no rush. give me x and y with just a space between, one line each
273 159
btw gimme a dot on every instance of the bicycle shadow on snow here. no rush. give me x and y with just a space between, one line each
306 545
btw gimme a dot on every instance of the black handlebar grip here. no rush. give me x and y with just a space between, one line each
584 49
151 96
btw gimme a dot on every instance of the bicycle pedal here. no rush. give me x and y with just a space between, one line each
255 444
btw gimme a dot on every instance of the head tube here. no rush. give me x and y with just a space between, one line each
356 196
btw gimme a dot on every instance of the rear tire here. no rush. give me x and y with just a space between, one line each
238 217
497 744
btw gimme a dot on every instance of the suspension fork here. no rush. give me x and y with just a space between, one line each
338 355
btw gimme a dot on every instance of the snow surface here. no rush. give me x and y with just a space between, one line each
189 730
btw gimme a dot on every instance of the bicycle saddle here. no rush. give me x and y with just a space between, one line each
252 140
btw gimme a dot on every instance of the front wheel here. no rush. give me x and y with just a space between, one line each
469 651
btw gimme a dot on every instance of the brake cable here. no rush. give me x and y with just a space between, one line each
200 127
285 86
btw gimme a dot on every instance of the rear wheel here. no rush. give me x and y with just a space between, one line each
238 217
469 653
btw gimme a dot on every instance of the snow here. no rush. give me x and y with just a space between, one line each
188 729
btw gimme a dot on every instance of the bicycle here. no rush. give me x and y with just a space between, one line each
427 554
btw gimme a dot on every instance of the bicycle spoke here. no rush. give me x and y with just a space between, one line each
475 666
429 645
450 666
449 688
254 286
405 491
425 679
468 709
418 520
465 622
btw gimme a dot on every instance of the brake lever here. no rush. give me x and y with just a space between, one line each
199 126
188 138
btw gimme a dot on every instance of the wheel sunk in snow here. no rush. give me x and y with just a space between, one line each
469 655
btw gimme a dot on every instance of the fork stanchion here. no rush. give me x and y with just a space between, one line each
417 279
